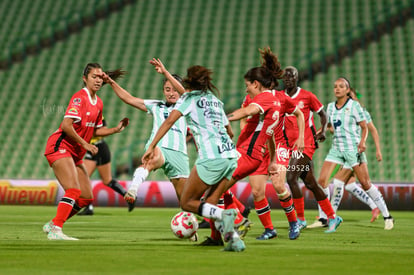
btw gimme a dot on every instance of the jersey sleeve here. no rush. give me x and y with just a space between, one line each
149 103
247 100
358 112
183 104
74 109
315 105
367 115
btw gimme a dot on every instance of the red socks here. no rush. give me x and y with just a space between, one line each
287 205
300 207
65 206
263 211
326 207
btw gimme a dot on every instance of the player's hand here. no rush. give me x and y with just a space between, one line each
379 156
361 147
105 78
320 137
91 148
148 155
159 67
122 124
299 145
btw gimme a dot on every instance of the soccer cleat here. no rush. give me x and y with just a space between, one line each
56 233
333 224
86 212
235 245
130 197
47 227
228 216
294 230
267 235
194 238
389 223
211 242
243 227
321 222
375 213
302 224
203 224
131 206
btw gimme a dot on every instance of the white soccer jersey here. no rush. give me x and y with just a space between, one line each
175 139
345 123
206 119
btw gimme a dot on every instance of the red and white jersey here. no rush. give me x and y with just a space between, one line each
87 113
308 103
259 128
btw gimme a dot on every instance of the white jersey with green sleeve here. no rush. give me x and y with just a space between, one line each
175 138
345 123
206 119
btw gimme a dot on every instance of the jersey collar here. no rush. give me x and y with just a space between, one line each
295 94
93 102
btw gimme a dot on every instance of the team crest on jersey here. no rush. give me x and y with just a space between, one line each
73 111
276 103
301 104
76 101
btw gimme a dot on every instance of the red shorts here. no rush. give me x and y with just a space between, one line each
52 153
62 153
309 151
246 165
264 165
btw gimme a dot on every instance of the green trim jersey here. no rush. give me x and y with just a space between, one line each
368 119
367 115
206 119
345 123
175 139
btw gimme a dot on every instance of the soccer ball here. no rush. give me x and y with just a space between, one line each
184 225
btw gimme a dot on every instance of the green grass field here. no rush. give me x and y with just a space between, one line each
114 241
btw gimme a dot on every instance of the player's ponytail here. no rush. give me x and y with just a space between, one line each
271 62
115 74
199 78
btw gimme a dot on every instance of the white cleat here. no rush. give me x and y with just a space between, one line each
56 233
389 223
47 227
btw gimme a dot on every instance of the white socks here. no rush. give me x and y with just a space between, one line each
376 196
140 175
338 192
211 211
360 194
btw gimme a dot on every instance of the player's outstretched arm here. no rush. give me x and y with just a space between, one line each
123 94
160 68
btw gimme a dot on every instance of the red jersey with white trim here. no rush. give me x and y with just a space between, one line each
88 116
308 103
259 128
